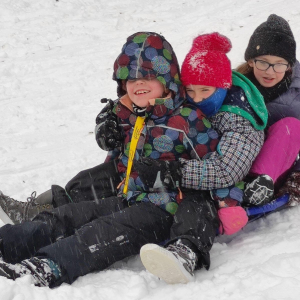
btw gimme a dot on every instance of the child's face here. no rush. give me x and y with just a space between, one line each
140 91
199 92
264 73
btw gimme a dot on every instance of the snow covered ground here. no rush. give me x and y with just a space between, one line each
56 62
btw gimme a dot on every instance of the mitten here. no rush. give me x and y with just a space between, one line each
157 174
109 134
232 219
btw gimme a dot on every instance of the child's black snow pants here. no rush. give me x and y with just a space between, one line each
196 223
90 236
96 183
87 236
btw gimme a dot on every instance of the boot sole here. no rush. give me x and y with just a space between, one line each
5 218
163 264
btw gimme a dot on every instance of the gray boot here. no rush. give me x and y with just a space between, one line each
14 212
44 198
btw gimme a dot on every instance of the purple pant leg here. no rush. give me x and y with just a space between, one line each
280 149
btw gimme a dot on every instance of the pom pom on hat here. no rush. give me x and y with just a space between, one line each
212 42
207 63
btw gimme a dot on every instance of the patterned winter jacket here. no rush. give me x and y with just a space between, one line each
239 123
170 132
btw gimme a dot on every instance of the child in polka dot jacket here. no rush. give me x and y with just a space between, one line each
156 125
170 131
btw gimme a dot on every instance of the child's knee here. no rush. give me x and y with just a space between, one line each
289 124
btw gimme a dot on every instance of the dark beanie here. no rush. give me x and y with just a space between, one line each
273 37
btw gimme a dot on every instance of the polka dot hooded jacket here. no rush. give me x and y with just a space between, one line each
171 131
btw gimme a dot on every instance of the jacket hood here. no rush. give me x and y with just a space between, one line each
259 117
148 55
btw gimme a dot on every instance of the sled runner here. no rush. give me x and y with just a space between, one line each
256 212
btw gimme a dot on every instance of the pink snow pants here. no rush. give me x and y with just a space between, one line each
279 150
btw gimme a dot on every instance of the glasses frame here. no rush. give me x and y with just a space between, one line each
270 65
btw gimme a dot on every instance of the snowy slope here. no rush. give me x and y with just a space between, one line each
56 62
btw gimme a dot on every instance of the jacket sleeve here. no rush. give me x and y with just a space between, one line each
287 105
239 145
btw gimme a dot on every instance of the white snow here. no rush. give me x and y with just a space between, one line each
56 60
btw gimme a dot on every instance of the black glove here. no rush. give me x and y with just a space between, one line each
157 174
109 134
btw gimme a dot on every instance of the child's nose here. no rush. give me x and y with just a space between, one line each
270 70
198 98
140 81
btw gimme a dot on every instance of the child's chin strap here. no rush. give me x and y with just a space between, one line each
139 111
139 123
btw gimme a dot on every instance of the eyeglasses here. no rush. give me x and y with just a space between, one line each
264 66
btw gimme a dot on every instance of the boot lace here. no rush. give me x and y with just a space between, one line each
30 202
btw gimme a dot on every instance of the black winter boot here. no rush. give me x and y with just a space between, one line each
43 271
260 191
1 254
174 264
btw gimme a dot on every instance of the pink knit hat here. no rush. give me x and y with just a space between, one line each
207 63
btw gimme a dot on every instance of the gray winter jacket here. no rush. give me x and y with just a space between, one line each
288 104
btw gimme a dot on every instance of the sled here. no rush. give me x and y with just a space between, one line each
257 212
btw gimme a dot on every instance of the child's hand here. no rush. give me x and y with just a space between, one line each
157 174
109 135
152 101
